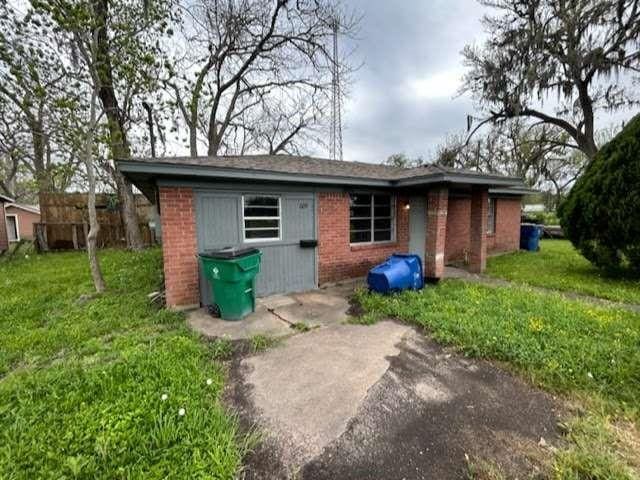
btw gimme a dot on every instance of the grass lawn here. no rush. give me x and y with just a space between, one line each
560 266
83 380
589 354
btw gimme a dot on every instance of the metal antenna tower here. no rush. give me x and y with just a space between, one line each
336 100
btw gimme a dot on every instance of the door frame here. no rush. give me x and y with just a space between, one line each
17 225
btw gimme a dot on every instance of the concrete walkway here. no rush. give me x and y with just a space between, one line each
276 315
382 401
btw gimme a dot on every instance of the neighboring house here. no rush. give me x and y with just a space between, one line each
20 220
4 238
358 213
534 208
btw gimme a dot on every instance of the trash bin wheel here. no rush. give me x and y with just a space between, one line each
214 310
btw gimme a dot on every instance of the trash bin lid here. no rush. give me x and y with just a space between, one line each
229 252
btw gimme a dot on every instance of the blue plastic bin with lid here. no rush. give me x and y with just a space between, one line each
398 272
530 234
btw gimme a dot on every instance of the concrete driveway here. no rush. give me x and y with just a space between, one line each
385 402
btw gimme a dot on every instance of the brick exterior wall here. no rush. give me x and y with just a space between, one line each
457 245
478 229
505 239
25 221
507 235
337 259
179 246
4 240
437 211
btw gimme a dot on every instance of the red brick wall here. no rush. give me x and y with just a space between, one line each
4 240
25 221
457 244
478 229
337 259
507 235
179 246
437 208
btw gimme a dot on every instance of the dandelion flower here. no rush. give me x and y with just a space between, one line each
181 412
209 381
164 397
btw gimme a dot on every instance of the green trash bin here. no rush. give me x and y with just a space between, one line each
232 274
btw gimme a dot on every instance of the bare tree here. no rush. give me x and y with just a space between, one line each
534 152
241 55
573 50
94 226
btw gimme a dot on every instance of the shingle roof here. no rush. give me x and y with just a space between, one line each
309 166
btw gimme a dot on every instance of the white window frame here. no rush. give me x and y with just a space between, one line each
491 225
15 219
373 218
279 218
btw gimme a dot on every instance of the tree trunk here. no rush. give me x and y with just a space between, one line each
94 226
117 132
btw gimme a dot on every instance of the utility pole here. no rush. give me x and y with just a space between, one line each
336 100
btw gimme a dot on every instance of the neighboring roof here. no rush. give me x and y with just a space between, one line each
516 190
301 169
26 208
5 199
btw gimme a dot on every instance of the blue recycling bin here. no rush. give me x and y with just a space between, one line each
398 272
530 234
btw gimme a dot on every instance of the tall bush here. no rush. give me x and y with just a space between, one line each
601 215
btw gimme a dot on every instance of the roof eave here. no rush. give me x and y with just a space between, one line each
208 172
6 199
469 179
158 169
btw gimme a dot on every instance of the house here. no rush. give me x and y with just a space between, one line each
20 220
4 237
320 221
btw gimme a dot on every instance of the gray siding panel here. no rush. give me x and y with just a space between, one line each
285 266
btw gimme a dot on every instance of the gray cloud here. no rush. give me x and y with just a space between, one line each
402 99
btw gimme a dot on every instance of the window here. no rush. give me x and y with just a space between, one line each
261 218
491 217
371 218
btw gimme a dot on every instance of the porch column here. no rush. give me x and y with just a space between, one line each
478 230
437 202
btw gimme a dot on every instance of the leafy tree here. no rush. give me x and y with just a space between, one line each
600 214
116 45
34 96
573 50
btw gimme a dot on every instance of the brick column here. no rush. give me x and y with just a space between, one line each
478 230
437 203
179 246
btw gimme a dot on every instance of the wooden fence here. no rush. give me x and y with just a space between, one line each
64 221
73 236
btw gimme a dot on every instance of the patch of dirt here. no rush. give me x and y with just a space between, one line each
355 308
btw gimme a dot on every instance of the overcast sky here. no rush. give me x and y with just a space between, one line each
403 99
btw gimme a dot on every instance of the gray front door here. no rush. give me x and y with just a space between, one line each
418 226
286 266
